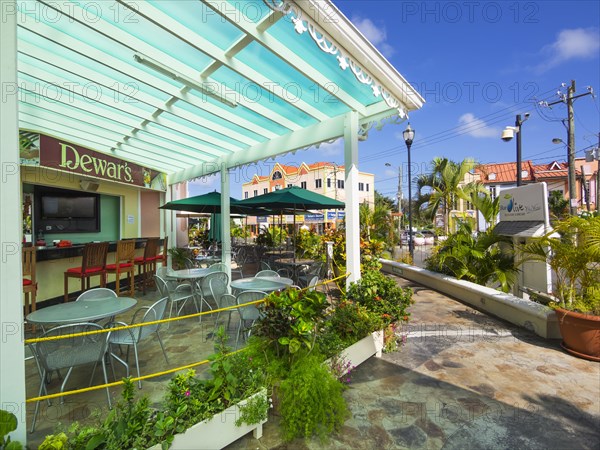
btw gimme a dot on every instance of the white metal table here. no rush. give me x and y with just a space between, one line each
82 311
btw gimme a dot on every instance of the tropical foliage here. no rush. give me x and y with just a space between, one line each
484 258
441 188
573 252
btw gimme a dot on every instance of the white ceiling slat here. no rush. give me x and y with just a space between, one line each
129 109
103 114
133 71
108 83
75 12
314 134
280 50
81 135
102 125
170 25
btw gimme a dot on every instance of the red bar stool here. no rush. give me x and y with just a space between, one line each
29 281
147 264
124 263
93 264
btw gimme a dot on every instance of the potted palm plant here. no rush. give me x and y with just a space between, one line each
573 253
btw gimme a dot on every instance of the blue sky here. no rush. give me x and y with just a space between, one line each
477 64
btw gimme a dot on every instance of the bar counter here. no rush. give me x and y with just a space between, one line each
51 252
52 262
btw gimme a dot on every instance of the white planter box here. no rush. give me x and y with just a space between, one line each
362 350
217 432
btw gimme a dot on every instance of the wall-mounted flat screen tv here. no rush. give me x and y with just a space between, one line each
60 207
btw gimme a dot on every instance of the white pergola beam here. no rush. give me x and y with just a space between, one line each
315 134
281 51
167 23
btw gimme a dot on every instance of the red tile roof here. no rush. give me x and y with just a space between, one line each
505 172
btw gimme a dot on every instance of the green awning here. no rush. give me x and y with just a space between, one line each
292 198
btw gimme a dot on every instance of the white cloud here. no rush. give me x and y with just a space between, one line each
331 149
475 127
577 43
377 34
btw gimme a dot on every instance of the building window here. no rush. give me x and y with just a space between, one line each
303 184
277 175
340 184
290 185
318 183
277 187
361 186
265 190
492 176
255 192
469 205
492 190
328 182
367 185
246 194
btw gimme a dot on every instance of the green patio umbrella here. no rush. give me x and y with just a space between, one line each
292 199
208 203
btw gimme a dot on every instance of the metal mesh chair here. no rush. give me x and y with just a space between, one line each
68 353
175 296
132 337
248 313
205 285
223 298
266 273
97 294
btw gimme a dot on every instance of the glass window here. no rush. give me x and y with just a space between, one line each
361 186
290 185
255 192
328 182
340 184
303 184
277 175
318 183
246 194
367 185
492 190
265 190
277 187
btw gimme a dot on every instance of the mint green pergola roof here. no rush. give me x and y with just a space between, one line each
187 87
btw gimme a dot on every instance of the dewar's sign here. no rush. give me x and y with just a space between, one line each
67 157
524 203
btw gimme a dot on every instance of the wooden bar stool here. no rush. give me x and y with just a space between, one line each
164 250
147 264
29 281
93 264
124 263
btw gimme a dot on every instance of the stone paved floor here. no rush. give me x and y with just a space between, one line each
462 380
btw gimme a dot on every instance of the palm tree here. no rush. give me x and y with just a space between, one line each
376 223
480 198
444 185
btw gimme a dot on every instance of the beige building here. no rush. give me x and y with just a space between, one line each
321 177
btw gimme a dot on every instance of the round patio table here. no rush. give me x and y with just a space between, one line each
82 311
265 284
194 275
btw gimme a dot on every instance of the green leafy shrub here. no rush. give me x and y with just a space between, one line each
311 400
8 424
347 323
381 295
290 321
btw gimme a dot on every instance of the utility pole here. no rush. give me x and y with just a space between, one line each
570 97
571 145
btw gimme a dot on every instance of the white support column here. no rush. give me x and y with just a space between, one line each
12 354
225 216
351 189
169 223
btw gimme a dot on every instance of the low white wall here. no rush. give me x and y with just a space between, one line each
530 315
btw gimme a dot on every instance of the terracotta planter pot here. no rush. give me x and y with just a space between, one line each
580 333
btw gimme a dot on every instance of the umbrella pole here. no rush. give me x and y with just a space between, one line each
294 249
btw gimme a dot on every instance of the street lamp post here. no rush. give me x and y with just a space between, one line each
409 135
508 134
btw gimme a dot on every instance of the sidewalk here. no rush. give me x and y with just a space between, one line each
464 380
